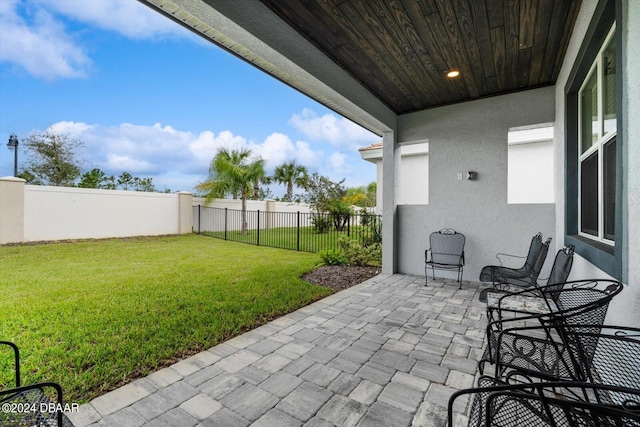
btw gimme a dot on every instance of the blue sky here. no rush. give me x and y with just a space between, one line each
148 97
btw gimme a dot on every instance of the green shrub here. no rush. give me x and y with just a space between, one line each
371 235
332 257
321 223
366 218
340 211
358 255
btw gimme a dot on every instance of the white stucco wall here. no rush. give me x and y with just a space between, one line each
530 172
254 205
414 180
11 210
413 176
55 213
272 214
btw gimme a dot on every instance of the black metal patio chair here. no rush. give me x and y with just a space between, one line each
552 404
30 405
598 354
530 299
525 276
446 252
580 302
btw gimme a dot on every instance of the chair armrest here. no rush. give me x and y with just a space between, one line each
16 354
20 393
500 254
576 400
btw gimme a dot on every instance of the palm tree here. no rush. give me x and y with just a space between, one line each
265 180
291 174
232 172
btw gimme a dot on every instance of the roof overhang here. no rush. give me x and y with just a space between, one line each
374 61
252 32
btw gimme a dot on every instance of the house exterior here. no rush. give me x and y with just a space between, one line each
414 172
581 73
529 160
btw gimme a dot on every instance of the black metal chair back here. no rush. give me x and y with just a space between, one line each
537 250
560 271
584 302
605 354
447 247
598 354
580 302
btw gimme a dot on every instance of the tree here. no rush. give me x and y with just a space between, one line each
364 196
95 178
232 172
321 190
125 180
110 183
143 184
326 196
258 192
53 159
291 174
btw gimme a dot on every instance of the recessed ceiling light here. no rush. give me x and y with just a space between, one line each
453 74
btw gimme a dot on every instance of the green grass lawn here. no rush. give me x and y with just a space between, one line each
93 315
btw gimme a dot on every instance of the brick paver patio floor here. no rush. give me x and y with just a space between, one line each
387 352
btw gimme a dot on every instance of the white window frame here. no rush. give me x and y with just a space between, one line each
603 139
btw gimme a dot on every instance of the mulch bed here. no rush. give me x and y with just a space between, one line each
339 277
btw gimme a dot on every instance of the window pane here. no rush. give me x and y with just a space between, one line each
609 189
609 87
589 194
589 117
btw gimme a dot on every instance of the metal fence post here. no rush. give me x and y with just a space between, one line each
298 237
349 225
258 240
225 223
199 220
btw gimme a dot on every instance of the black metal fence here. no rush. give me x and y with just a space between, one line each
297 231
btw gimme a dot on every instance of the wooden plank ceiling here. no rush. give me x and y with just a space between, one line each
401 49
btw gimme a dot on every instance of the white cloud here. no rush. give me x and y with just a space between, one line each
72 129
126 163
132 19
337 131
306 156
142 149
277 149
40 46
338 165
173 157
34 37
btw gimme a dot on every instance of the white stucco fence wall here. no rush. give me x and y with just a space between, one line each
57 213
272 214
254 205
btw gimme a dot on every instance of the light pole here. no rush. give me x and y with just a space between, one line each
13 143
